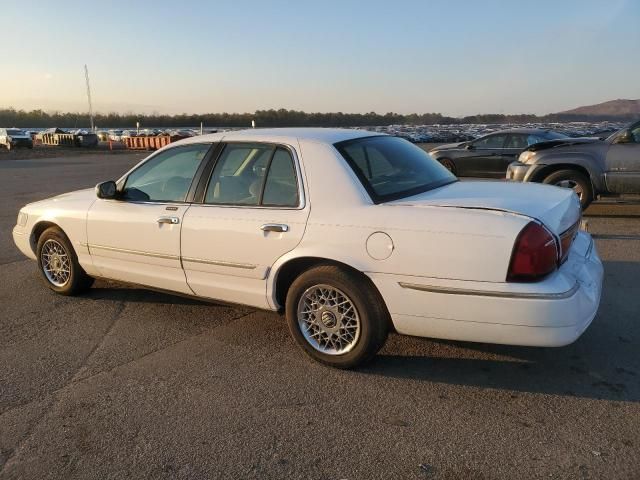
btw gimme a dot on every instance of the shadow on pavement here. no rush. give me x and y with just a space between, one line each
602 364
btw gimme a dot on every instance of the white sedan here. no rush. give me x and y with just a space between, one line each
352 234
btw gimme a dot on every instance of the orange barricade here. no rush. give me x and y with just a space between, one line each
148 143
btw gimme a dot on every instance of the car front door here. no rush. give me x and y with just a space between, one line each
252 211
136 237
622 163
484 157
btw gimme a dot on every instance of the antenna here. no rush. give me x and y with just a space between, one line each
86 76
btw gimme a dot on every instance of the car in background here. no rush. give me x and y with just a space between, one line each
180 133
128 134
14 137
590 166
115 135
103 135
490 155
349 233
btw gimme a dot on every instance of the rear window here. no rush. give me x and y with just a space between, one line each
551 135
391 168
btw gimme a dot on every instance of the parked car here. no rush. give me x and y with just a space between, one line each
14 137
490 155
128 134
85 138
590 166
103 135
115 135
348 232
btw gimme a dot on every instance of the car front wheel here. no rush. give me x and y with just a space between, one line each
574 180
59 264
336 316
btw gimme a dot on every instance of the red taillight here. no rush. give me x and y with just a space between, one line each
535 254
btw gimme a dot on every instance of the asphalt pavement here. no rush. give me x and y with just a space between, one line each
128 383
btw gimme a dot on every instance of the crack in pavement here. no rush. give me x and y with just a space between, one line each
76 380
119 309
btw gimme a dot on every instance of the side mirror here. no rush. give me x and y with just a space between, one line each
625 137
106 189
469 146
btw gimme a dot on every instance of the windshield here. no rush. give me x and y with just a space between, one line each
392 168
14 131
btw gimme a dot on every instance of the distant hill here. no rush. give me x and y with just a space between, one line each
622 109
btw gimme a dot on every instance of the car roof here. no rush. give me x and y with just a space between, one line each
321 135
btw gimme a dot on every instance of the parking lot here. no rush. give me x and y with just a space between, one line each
124 382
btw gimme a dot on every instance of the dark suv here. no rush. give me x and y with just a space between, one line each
591 166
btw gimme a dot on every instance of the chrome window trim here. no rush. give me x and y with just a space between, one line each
490 293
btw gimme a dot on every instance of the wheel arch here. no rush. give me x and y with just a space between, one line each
547 170
38 229
286 273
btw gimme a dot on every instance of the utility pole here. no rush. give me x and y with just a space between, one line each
86 76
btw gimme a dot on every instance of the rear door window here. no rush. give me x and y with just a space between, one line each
253 175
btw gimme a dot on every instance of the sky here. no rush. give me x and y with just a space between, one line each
456 57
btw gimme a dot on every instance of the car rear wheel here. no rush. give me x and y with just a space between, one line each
336 316
574 180
59 264
448 164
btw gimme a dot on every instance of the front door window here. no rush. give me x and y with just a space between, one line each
165 177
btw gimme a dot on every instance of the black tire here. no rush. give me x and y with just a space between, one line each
77 281
448 164
369 306
564 178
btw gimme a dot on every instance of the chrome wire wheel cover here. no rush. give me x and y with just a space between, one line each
328 320
56 264
571 184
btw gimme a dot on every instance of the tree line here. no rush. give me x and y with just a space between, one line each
10 117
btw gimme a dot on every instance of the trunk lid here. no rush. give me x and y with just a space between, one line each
558 208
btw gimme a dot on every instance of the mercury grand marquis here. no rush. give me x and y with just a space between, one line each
351 234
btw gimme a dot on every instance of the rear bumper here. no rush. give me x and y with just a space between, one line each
550 313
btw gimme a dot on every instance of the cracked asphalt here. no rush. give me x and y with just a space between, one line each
128 383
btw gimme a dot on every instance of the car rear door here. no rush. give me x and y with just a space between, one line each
623 164
251 210
515 144
484 158
136 238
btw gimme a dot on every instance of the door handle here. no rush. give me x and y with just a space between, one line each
274 227
169 220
